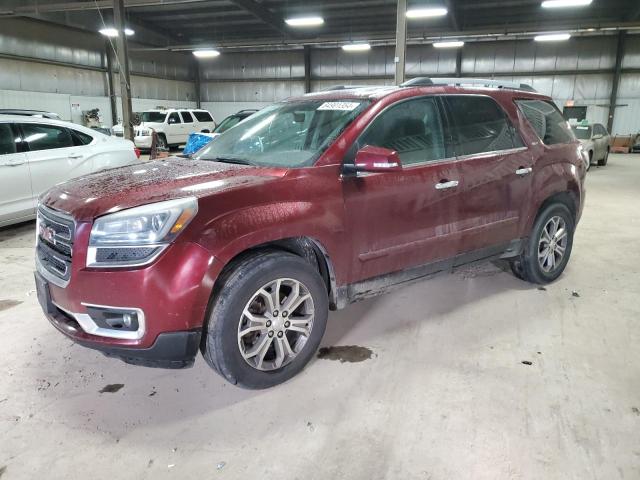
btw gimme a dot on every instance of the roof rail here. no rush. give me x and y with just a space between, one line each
348 87
479 82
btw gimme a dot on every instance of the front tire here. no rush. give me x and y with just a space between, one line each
603 162
548 248
267 320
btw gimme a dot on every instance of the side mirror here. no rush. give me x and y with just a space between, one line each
376 159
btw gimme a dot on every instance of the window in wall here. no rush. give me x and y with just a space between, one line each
412 128
7 139
479 125
547 121
46 137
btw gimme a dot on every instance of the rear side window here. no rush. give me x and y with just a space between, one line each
479 125
46 137
80 138
186 117
203 116
7 139
412 128
547 121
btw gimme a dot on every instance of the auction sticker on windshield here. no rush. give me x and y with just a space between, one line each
343 106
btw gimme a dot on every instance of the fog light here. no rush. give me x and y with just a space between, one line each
127 318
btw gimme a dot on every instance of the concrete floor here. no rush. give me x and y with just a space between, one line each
446 394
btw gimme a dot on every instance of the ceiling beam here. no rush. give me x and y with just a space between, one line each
263 14
39 8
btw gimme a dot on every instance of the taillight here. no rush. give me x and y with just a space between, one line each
137 150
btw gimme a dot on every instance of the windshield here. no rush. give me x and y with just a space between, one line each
583 133
153 117
292 134
227 123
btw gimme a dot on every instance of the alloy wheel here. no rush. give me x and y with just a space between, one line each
552 244
276 324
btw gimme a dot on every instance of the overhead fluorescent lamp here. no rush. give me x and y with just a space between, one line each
356 47
449 44
210 53
553 37
304 21
565 3
427 12
112 32
109 32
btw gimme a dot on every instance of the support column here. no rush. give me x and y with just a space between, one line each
197 83
307 69
111 89
459 63
616 79
401 41
123 67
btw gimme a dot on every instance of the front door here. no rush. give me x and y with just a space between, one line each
175 129
404 219
16 198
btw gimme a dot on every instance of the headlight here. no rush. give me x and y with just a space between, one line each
136 236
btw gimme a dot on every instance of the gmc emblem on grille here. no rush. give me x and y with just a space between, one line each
48 234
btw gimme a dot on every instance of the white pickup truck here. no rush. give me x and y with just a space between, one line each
172 125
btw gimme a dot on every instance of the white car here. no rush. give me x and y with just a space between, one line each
37 153
172 125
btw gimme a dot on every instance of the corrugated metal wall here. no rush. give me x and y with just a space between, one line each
27 81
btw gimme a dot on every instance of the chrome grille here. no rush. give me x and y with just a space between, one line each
54 248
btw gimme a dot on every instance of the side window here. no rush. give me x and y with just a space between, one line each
600 130
186 117
479 125
547 121
412 128
203 116
80 138
46 137
174 118
7 139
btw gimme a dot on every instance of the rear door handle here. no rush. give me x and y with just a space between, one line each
76 155
14 163
524 171
444 185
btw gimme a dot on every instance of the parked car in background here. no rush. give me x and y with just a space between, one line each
595 140
309 205
233 120
173 126
37 153
29 113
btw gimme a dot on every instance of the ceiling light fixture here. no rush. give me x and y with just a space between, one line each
356 47
449 44
426 12
553 37
565 3
304 21
209 53
113 32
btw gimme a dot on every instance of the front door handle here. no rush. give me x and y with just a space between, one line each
76 155
444 185
524 171
14 163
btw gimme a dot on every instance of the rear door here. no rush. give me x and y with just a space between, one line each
495 170
16 198
188 125
404 219
601 140
53 155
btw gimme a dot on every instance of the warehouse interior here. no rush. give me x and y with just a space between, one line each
475 375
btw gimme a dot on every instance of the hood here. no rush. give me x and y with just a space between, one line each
116 189
585 142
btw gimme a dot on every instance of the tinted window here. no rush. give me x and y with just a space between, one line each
186 117
412 128
46 137
600 130
174 118
479 125
80 138
547 121
153 117
203 116
7 139
227 123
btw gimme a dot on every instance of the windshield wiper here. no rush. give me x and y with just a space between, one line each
238 161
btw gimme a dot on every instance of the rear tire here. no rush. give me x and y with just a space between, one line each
548 248
258 335
603 162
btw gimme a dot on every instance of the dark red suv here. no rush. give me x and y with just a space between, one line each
306 206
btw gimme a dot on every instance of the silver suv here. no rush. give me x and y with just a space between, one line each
596 142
